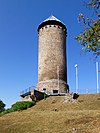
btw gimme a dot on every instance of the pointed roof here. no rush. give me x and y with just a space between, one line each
52 20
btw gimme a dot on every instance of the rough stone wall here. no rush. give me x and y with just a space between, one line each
51 85
33 95
51 54
26 98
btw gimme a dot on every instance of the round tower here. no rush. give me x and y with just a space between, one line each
52 71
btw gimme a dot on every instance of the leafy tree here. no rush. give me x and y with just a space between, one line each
2 105
90 37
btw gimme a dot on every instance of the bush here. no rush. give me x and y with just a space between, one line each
22 105
2 105
6 111
18 106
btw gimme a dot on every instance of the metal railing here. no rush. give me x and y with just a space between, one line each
27 90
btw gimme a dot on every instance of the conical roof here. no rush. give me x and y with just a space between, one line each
52 20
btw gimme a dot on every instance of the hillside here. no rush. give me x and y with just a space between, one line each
54 116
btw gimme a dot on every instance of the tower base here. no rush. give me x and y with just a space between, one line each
53 86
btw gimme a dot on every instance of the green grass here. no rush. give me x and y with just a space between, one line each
54 116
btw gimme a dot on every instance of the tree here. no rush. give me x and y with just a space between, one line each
2 105
90 37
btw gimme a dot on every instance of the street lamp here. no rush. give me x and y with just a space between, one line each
76 75
58 75
97 77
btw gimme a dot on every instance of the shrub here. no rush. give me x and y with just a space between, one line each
6 111
22 105
18 106
2 105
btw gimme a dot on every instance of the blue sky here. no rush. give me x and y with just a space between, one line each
19 20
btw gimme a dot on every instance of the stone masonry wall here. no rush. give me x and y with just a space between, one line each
51 54
51 85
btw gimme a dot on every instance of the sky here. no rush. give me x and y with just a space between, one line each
19 20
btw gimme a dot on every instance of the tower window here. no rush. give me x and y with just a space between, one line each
55 91
59 27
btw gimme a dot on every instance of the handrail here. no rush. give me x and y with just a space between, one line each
27 90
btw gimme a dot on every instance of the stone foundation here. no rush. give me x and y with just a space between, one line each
52 85
26 98
33 95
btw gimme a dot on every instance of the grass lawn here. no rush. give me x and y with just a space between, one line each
54 116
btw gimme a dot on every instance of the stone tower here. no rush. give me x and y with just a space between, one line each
52 72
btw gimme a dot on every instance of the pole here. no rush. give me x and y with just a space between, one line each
97 77
58 75
76 66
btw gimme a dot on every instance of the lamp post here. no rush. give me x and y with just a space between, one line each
58 75
97 77
76 75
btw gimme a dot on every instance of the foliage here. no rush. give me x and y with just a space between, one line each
94 4
9 110
2 105
22 105
90 37
18 106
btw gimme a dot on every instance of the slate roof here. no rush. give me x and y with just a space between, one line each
51 20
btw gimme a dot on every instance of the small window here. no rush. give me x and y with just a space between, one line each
55 91
59 27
